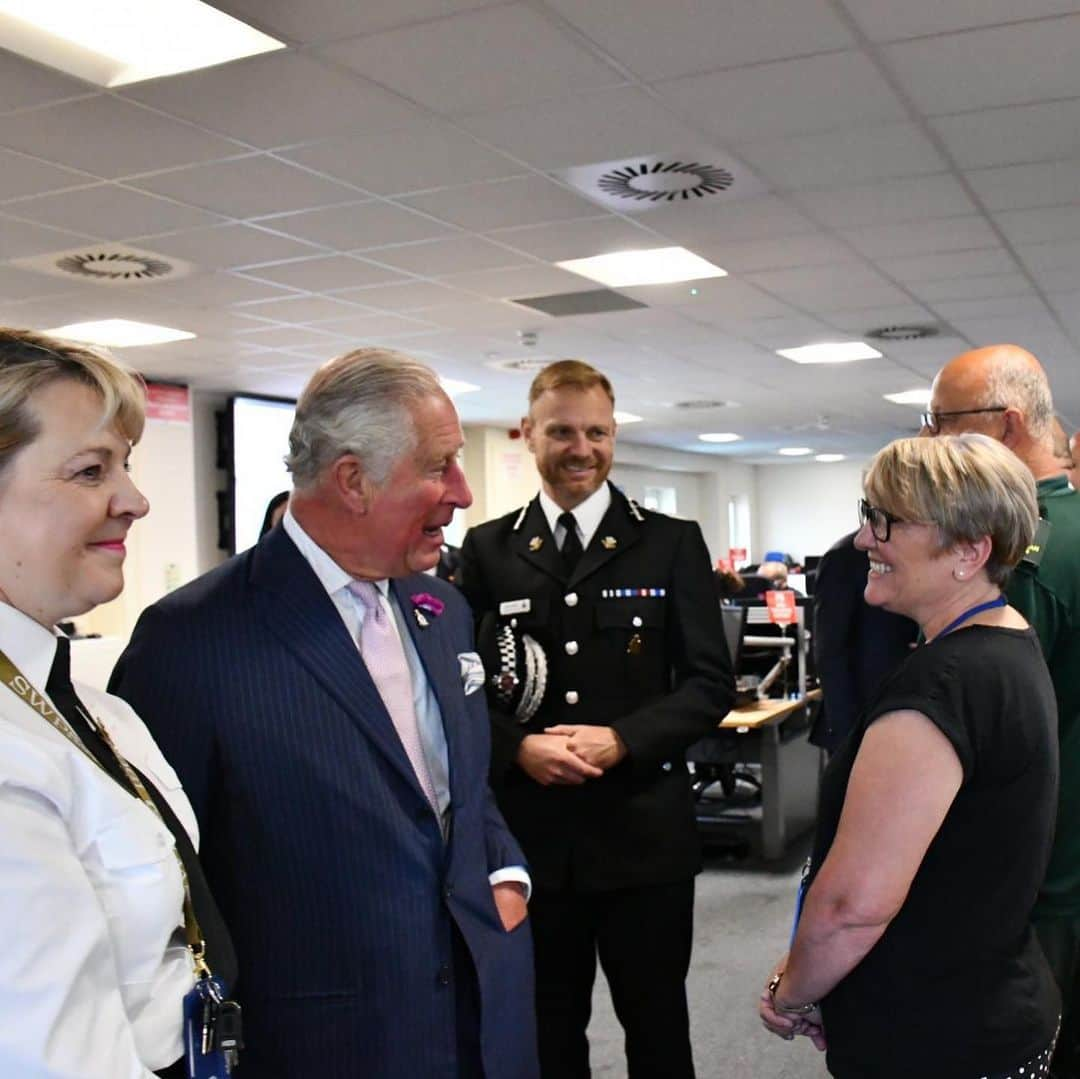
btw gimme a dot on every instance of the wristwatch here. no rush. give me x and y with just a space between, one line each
794 1009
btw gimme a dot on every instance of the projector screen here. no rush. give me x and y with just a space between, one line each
260 440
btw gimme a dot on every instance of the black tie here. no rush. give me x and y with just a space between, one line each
571 545
219 948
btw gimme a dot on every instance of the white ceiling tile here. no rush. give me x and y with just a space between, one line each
405 296
853 156
956 264
1056 266
886 20
748 257
958 311
359 225
922 237
310 100
1015 187
1004 65
910 199
1022 133
297 337
359 327
24 84
459 254
862 321
837 288
318 21
296 309
484 317
971 287
18 284
325 272
1043 224
682 36
21 176
589 128
498 204
475 60
224 247
809 95
216 289
113 212
109 137
402 161
695 223
522 281
577 239
247 187
718 300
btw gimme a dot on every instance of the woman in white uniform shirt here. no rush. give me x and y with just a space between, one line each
94 967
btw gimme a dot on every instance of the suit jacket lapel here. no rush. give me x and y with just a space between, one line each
534 542
293 605
616 525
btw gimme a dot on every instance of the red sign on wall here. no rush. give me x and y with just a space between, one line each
167 403
781 607
737 555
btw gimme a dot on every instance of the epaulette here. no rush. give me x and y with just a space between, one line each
520 517
635 510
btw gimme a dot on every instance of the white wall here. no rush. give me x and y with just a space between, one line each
805 509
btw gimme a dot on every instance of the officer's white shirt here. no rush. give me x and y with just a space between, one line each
587 515
93 968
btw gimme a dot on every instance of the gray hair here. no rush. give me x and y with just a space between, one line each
1014 382
359 403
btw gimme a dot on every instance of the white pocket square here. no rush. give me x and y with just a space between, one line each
472 672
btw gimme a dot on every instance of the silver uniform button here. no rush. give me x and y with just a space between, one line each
571 648
571 696
666 766
636 621
570 599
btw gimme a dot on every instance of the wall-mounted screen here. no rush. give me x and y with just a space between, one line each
260 441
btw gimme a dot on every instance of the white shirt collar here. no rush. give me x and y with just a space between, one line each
28 644
588 514
332 577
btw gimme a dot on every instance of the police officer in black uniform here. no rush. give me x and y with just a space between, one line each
603 644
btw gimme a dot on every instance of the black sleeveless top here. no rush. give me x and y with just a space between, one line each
957 986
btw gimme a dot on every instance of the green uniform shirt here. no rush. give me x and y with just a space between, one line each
1048 595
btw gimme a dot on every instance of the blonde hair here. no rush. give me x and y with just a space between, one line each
30 361
968 486
573 373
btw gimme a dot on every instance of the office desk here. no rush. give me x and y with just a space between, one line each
773 734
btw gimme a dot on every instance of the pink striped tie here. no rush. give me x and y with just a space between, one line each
384 657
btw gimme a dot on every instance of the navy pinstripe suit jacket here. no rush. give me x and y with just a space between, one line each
321 849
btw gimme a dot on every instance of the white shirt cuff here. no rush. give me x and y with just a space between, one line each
516 873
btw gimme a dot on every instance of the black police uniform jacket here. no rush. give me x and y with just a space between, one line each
634 640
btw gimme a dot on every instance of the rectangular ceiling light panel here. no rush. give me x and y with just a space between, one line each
115 42
652 266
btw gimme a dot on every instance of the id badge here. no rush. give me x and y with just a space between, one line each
202 1057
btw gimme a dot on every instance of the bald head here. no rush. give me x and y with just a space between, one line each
1000 391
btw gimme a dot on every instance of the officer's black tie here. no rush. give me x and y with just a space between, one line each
219 948
571 546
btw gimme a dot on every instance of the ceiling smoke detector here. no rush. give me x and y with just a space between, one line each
108 264
523 365
902 333
647 181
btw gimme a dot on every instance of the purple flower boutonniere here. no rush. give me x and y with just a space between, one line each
426 607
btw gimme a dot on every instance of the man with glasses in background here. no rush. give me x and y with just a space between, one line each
1002 391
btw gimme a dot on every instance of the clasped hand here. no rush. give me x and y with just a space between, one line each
787 1026
568 755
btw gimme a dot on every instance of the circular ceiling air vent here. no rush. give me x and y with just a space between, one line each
104 265
528 365
702 405
663 181
903 333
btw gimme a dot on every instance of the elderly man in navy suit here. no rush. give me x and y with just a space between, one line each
320 697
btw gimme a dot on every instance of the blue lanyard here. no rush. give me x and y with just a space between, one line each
970 613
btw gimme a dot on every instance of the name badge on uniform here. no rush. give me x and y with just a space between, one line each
515 606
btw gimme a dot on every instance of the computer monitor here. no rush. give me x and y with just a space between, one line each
734 623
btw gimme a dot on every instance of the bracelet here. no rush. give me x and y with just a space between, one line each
794 1009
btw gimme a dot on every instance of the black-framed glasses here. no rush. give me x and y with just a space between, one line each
879 520
932 420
